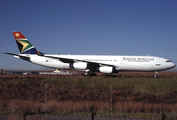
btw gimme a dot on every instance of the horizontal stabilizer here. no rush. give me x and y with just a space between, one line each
19 56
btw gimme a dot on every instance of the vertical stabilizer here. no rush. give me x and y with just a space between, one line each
25 47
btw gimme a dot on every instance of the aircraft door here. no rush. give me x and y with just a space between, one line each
158 62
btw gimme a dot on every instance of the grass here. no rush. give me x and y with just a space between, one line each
153 86
75 95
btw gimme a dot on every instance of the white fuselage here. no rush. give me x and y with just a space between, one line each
120 63
90 63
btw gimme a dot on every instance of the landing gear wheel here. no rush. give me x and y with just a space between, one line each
86 74
155 74
89 73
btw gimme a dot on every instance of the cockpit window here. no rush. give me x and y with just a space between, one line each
168 60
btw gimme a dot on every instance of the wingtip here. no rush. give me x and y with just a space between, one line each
4 52
8 53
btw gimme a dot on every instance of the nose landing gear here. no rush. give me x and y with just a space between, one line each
155 74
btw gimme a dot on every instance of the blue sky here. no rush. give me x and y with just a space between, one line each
91 27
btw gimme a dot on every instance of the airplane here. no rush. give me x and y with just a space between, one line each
89 63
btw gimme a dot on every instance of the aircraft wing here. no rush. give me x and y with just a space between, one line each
19 56
70 60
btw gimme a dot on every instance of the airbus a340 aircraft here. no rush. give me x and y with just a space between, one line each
89 63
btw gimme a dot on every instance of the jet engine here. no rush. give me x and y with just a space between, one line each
107 69
78 65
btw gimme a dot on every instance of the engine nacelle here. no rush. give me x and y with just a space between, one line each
79 65
107 69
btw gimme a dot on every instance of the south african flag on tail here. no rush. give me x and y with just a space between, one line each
25 47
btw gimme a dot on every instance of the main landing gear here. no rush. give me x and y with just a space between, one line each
155 74
89 73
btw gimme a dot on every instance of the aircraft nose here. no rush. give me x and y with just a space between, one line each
173 65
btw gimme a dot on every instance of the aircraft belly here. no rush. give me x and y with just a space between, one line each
56 64
59 65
